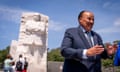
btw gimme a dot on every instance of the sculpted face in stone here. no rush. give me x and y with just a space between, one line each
87 20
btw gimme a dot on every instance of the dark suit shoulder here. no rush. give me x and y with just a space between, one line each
96 34
71 29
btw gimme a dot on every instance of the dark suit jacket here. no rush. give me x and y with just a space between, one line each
73 44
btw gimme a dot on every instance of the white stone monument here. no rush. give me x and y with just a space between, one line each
32 42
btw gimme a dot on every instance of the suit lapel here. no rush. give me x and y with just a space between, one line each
94 38
83 38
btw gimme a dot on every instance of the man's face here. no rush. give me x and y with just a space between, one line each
87 21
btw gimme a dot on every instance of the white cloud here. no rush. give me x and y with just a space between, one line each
56 26
113 29
117 22
14 15
11 14
111 5
106 4
109 30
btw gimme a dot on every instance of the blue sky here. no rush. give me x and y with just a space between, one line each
62 15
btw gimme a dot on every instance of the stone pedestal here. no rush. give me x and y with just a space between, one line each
32 42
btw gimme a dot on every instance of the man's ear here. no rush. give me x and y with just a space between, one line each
79 20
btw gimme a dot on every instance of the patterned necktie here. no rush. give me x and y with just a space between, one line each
90 43
89 38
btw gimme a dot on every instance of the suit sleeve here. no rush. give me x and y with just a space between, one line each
67 49
104 55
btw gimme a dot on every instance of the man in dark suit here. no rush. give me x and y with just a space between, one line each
82 47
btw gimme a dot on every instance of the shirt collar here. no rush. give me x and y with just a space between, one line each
84 30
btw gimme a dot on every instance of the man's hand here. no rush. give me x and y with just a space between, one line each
111 49
97 49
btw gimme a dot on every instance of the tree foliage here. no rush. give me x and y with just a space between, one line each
3 53
107 62
54 55
116 41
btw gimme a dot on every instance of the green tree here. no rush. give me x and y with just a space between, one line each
3 53
54 55
116 41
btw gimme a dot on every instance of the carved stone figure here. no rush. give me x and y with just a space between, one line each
32 42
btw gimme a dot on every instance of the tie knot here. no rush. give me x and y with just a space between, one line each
87 32
88 36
